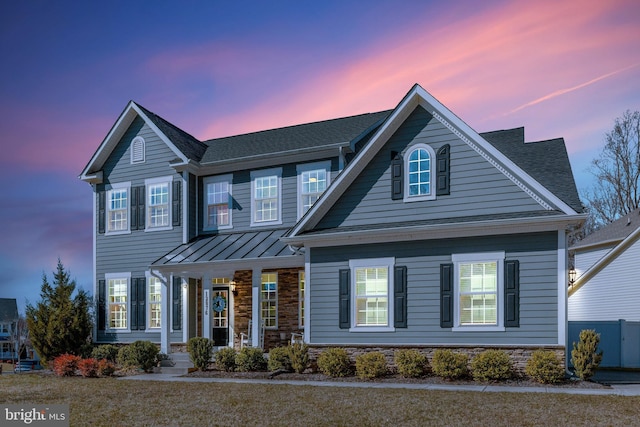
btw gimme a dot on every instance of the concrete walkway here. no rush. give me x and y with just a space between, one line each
616 390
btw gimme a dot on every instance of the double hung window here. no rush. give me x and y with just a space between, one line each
218 206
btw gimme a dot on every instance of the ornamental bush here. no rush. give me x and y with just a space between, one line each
65 365
105 351
334 362
140 354
106 368
545 367
371 365
88 367
449 365
226 359
411 363
584 355
491 365
200 352
279 359
250 359
299 357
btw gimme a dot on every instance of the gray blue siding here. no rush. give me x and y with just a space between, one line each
538 291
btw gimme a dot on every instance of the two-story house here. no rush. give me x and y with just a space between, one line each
8 324
398 228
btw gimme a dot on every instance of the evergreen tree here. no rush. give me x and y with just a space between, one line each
61 322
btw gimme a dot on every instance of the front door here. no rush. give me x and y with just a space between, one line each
220 316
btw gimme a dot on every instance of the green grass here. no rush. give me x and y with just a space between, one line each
112 402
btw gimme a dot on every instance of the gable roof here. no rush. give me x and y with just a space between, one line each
613 233
333 132
8 310
417 96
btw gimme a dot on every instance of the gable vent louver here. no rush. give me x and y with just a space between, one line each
137 150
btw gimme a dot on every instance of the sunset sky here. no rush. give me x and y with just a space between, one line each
217 68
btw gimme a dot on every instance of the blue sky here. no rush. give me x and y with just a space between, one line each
216 68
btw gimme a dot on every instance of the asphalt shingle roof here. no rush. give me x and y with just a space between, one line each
8 310
614 233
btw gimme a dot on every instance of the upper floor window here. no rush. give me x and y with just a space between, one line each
266 200
158 199
218 207
118 208
420 172
137 150
313 180
5 328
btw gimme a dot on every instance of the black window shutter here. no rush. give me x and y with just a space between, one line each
102 305
133 323
133 208
400 296
142 298
141 208
512 293
446 295
443 175
344 286
397 186
101 211
176 296
175 202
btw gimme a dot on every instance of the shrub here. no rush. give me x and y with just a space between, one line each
449 365
491 365
250 359
334 362
106 368
584 355
65 365
544 367
140 354
299 357
226 359
371 365
106 351
279 359
200 352
88 367
411 363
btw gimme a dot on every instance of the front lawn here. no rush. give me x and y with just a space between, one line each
114 402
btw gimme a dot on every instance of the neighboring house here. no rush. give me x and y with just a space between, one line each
8 322
398 228
607 285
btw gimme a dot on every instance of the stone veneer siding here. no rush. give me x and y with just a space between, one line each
518 355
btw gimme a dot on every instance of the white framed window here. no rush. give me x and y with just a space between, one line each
313 180
266 199
118 208
419 169
158 194
217 210
301 290
5 328
269 300
154 302
478 290
118 300
371 293
137 150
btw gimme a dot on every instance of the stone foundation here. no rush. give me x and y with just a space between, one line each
519 355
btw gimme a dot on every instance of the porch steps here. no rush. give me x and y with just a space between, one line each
181 364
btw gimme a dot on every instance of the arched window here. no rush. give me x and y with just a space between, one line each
420 173
137 150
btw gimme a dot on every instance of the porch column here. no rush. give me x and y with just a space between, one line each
256 282
165 346
206 306
185 309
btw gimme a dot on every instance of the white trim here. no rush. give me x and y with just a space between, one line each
205 202
432 161
134 141
185 210
308 167
94 260
117 186
148 328
263 173
387 263
302 300
107 326
307 296
498 257
563 278
147 205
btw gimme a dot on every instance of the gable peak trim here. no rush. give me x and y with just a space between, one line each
493 162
